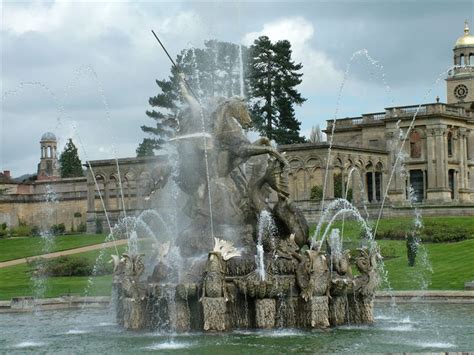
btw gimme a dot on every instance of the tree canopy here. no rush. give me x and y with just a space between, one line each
210 72
264 74
69 161
273 76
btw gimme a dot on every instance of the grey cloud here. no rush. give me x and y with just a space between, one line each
411 39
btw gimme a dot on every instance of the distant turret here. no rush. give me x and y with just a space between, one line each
48 167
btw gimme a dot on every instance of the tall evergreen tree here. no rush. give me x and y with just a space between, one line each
70 164
273 76
145 148
210 71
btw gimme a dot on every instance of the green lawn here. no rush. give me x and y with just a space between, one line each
452 265
16 280
15 248
352 229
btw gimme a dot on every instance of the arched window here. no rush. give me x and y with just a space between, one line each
461 59
415 145
450 144
471 59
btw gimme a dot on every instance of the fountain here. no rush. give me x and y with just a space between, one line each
245 259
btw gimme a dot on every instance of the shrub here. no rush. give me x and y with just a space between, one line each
4 232
82 228
35 231
57 229
388 252
316 193
22 230
67 266
77 214
98 226
432 233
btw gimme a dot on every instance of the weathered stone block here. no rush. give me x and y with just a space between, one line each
265 313
315 312
134 315
337 310
361 309
214 310
181 322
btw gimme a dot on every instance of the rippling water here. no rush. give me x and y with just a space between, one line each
410 328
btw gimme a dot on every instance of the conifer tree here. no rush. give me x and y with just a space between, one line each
70 164
273 76
210 71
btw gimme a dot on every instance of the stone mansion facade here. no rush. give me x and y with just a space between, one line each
429 147
369 155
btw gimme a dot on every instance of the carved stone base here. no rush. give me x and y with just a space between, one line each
265 313
214 310
181 319
337 310
315 312
134 315
361 310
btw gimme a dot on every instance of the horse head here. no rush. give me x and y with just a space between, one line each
236 107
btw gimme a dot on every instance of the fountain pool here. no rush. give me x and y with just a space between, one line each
434 327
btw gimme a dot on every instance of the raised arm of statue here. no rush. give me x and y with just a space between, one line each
190 99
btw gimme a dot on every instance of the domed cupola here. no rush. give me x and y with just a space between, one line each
464 48
459 84
48 167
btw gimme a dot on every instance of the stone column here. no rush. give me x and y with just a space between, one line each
424 185
440 150
329 183
374 189
90 197
106 195
462 158
429 158
306 185
343 178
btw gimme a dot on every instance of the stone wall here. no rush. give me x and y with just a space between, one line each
43 203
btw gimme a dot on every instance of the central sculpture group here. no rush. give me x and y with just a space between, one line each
215 281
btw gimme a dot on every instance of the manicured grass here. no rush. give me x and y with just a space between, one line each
352 229
452 265
16 280
15 248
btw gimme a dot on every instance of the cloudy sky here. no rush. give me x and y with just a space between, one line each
85 69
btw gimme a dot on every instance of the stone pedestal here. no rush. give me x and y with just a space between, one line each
361 309
315 312
134 316
180 319
265 313
214 310
337 310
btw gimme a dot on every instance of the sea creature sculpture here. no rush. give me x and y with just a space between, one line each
214 274
312 274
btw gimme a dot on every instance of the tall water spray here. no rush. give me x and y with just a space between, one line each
266 229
